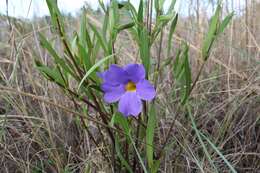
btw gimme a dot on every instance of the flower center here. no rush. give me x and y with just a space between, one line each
130 86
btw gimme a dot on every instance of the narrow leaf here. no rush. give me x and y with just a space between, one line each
150 130
187 73
200 139
93 68
225 22
172 29
125 26
121 157
57 59
140 13
52 74
219 153
208 41
144 49
101 39
138 155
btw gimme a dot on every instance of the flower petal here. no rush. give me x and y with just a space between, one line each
112 92
130 104
114 75
145 90
136 72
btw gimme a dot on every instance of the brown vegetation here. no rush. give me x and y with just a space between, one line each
40 131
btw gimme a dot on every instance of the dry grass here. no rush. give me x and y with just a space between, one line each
40 130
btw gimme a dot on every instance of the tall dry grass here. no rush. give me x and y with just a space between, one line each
40 131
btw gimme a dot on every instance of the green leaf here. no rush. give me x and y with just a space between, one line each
182 72
93 68
187 73
158 5
105 27
101 39
138 155
84 33
102 5
55 15
219 153
144 49
165 18
52 74
213 27
57 59
178 66
83 29
74 42
113 21
121 157
172 29
84 44
84 56
51 5
171 8
161 22
132 10
225 22
156 166
87 168
150 130
58 22
125 26
200 139
140 13
120 120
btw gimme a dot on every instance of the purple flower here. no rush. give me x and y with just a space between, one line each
128 86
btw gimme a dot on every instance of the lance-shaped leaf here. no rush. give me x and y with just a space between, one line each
51 74
172 29
150 130
57 59
210 37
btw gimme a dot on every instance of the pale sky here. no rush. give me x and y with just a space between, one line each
22 8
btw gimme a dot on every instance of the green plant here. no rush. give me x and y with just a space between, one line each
80 61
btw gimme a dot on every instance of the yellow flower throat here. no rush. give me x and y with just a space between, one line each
130 86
